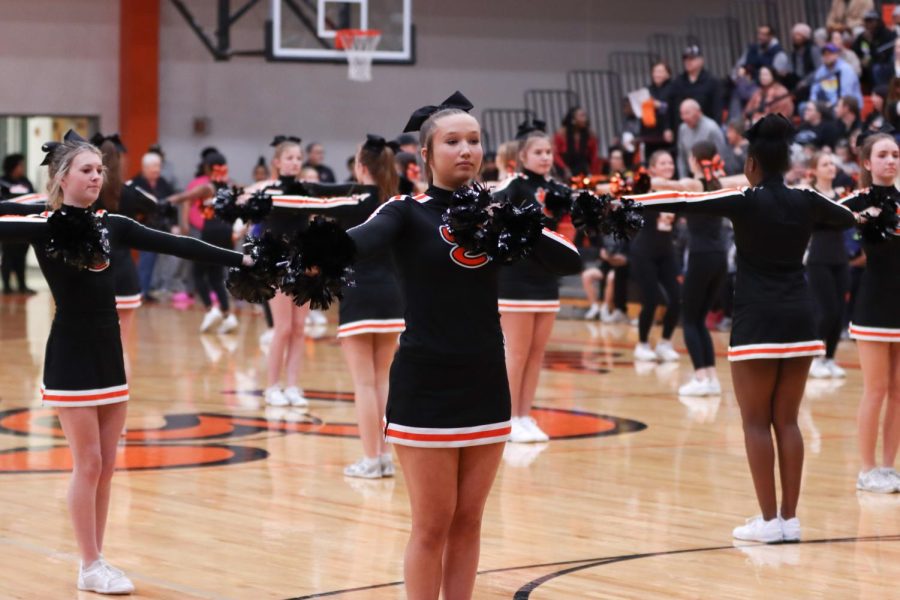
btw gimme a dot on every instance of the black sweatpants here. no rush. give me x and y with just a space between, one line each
657 278
212 277
705 273
829 285
13 261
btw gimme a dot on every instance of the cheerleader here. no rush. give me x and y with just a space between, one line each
529 291
828 272
875 323
371 310
448 411
652 263
774 336
84 374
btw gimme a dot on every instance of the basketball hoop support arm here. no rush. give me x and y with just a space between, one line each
220 48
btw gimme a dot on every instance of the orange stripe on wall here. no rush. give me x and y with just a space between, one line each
138 78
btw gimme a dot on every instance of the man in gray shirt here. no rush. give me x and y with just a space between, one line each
695 127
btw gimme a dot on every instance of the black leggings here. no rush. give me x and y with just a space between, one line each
705 273
13 261
657 278
208 277
829 285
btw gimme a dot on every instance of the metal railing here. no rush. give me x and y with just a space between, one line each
633 68
668 48
720 42
499 125
551 105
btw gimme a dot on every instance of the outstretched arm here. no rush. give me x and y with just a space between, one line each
557 254
722 203
830 214
349 203
134 235
25 228
380 229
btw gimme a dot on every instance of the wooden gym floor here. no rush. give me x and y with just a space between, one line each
221 498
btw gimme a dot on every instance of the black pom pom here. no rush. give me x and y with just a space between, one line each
257 284
884 226
558 199
78 237
468 218
257 207
589 212
625 222
225 204
517 230
599 215
320 264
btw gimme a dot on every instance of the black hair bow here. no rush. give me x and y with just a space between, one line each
530 125
280 139
865 133
376 144
98 139
418 118
776 126
50 147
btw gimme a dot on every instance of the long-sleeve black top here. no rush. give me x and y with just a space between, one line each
451 295
882 258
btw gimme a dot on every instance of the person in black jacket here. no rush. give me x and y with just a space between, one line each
14 183
661 135
697 83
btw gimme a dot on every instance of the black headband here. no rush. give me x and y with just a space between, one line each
98 139
50 147
529 126
418 118
377 144
280 139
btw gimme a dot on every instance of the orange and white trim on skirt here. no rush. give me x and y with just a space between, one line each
528 306
791 350
452 437
96 397
371 326
874 334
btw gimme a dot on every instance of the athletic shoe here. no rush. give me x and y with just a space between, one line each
724 324
537 434
294 395
364 468
275 397
643 352
266 338
211 319
618 317
892 475
102 578
836 371
666 352
790 529
715 388
759 530
387 465
695 387
877 481
229 324
316 317
605 315
519 433
592 313
819 369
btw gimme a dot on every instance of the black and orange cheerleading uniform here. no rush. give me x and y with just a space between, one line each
876 315
773 308
373 303
527 285
83 364
133 203
448 384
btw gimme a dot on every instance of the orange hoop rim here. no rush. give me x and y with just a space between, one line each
344 37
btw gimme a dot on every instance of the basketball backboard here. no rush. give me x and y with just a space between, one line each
305 29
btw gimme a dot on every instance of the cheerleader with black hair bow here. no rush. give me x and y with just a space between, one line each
448 412
84 373
774 337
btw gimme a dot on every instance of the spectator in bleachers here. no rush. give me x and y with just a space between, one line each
765 52
575 145
818 129
875 119
875 49
630 133
695 127
847 112
805 58
843 40
697 84
892 104
736 147
656 128
770 97
895 20
834 79
845 161
315 159
616 163
848 14
743 86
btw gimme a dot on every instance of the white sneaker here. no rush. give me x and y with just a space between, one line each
876 481
819 369
228 325
643 352
891 474
294 395
715 388
387 465
531 426
211 319
519 433
666 352
695 387
266 338
836 371
605 315
759 530
618 317
790 529
316 317
365 468
593 312
275 397
102 578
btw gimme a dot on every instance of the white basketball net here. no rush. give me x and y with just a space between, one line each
359 45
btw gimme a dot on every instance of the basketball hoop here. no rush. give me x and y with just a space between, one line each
359 45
